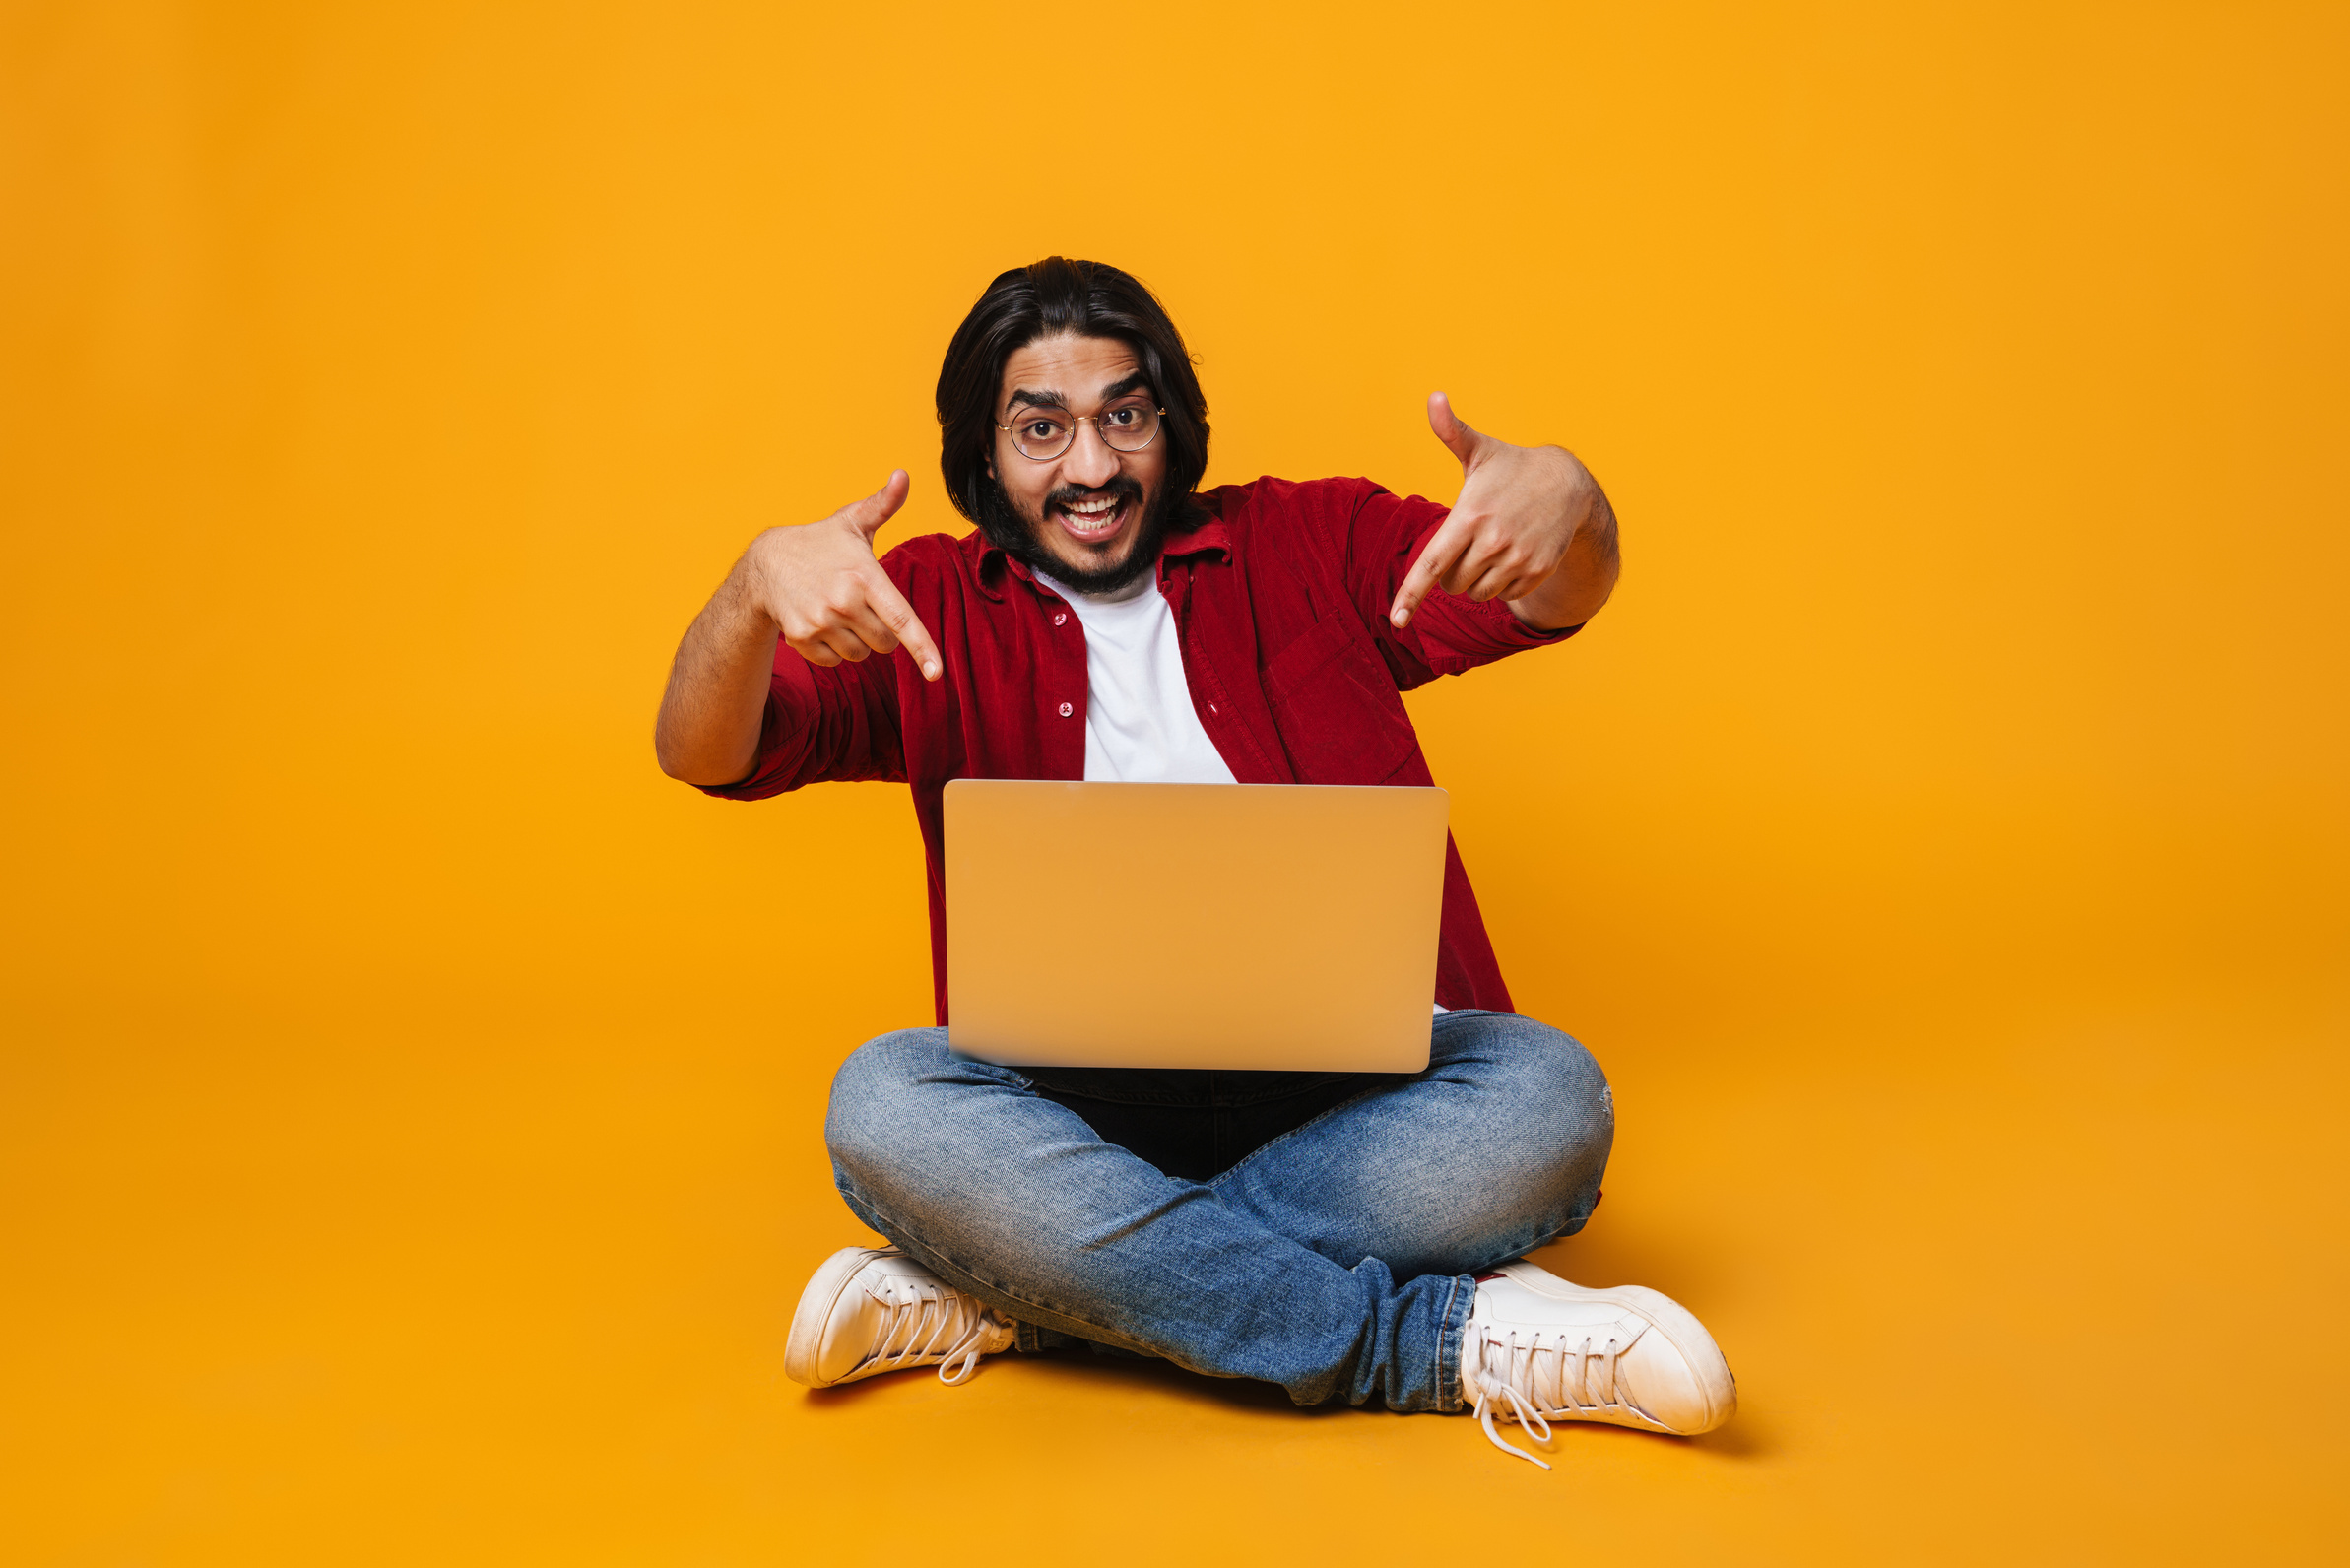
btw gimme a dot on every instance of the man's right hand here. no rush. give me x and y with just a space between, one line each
819 589
827 595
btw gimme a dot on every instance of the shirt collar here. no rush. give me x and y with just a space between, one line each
1207 537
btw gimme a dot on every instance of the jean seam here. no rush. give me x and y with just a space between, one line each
1161 1101
1448 1361
1317 1081
1023 1083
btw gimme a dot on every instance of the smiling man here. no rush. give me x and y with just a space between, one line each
1351 1236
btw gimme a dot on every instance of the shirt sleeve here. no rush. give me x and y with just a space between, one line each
824 724
1383 535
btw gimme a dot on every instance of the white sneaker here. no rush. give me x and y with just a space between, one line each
872 1310
1554 1351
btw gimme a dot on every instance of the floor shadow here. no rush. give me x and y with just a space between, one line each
1747 1437
1135 1373
1166 1378
1744 1438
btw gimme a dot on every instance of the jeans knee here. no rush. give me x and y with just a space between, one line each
873 1106
1580 1091
1561 1113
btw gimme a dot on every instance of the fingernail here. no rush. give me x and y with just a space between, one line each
929 672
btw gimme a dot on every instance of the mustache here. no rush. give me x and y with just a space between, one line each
1124 487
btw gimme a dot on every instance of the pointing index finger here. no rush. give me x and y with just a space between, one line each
1444 547
899 615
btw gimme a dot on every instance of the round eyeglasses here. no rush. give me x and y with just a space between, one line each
1044 434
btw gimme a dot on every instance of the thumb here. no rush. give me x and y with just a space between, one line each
1458 438
867 515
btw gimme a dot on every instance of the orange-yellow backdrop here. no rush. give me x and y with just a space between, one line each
409 1121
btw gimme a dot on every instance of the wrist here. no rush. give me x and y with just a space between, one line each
1542 612
752 589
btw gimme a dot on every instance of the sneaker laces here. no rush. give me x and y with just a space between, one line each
932 1319
1544 1372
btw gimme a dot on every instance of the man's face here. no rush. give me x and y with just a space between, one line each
1094 512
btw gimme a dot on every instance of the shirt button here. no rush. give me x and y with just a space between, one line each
1067 710
1212 707
1060 616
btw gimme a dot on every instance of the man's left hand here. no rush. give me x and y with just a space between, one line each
1515 527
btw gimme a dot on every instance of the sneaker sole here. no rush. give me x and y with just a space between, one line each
806 1343
1667 1317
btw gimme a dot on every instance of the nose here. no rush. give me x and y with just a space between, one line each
1089 460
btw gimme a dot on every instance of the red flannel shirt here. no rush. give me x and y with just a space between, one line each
1280 599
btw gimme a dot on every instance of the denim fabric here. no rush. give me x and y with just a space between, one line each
1319 1231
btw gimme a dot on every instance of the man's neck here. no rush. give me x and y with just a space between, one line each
1116 596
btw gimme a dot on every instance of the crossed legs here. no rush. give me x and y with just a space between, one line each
1336 1260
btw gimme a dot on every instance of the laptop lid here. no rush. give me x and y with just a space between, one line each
1288 926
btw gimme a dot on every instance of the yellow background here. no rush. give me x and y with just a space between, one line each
408 1123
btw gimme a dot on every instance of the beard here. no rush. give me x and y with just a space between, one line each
1017 537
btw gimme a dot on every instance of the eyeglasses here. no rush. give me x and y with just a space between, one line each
1044 434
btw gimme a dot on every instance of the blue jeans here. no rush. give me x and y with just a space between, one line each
1317 1230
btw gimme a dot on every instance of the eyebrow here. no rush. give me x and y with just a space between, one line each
1050 399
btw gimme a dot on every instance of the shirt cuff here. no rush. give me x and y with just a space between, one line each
1503 623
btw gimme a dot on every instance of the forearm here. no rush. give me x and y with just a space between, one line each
708 731
1585 576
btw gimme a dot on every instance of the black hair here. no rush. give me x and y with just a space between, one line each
1040 300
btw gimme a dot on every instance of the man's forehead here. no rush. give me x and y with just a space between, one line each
1068 367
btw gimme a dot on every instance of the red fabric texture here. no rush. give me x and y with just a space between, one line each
1280 599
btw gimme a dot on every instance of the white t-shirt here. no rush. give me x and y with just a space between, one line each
1141 726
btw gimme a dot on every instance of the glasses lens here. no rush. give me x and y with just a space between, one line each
1130 426
1041 433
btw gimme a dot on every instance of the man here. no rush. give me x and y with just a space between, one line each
1344 1235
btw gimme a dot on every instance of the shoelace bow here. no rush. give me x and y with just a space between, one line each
1527 1373
924 1316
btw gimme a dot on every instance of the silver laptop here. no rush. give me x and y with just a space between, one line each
1230 926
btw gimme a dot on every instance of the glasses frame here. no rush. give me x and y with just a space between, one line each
1076 420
